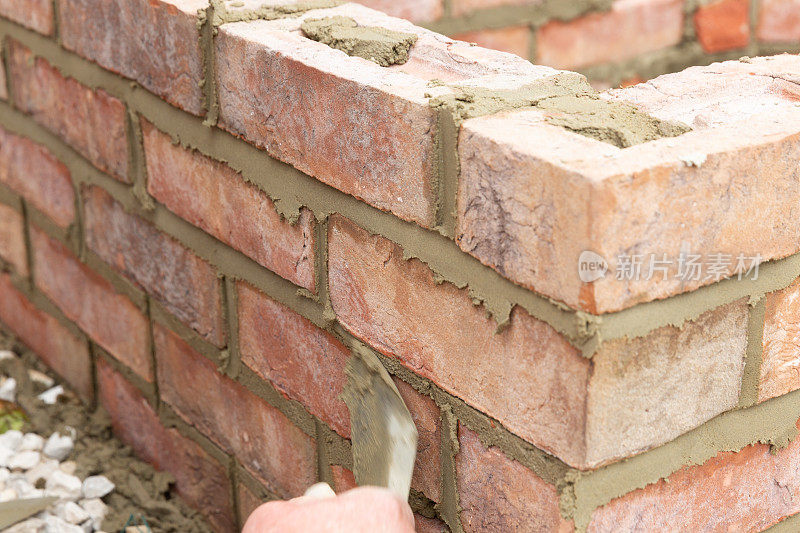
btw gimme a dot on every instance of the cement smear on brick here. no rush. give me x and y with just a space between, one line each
379 45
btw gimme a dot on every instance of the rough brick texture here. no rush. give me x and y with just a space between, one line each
199 479
301 360
295 98
779 21
34 14
533 196
108 317
780 364
12 239
214 197
92 121
32 171
630 28
723 25
260 436
343 478
748 490
650 389
512 498
182 282
248 502
423 524
153 42
51 340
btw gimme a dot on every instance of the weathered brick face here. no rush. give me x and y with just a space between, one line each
214 197
200 479
34 14
12 239
55 344
182 282
302 361
109 318
512 498
155 43
263 439
32 171
90 120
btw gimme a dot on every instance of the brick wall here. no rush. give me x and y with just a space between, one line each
613 42
204 214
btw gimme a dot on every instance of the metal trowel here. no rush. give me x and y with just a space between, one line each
383 435
18 510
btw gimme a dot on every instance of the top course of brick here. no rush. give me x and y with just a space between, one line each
526 167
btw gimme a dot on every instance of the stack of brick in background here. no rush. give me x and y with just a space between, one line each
613 41
200 249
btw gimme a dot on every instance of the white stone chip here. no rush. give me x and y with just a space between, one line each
11 439
54 524
32 441
58 447
7 354
74 513
63 485
8 494
5 455
50 396
24 460
8 390
42 470
96 486
97 510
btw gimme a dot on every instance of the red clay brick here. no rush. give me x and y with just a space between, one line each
462 7
498 494
533 196
303 361
92 121
88 299
33 172
518 376
427 476
12 239
413 10
154 42
634 394
749 490
343 478
723 25
34 14
779 21
264 440
511 39
214 197
296 98
182 282
429 525
629 29
780 365
55 344
199 479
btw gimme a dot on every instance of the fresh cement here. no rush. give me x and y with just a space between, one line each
379 45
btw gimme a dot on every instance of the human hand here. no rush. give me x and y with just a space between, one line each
360 510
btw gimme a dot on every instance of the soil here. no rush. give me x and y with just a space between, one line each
142 494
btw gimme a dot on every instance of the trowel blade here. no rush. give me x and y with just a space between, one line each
19 510
383 435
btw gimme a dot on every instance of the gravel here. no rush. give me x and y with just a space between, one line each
67 451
